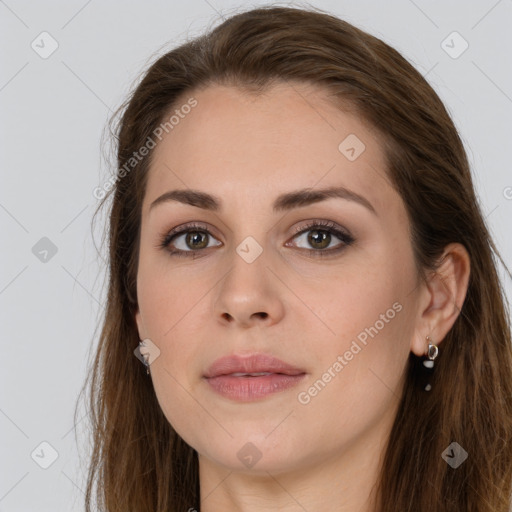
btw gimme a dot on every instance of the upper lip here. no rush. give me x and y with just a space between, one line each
250 364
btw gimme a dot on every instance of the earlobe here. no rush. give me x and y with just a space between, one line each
445 291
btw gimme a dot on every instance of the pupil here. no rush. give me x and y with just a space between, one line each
317 237
195 236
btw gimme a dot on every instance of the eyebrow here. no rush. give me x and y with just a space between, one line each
284 202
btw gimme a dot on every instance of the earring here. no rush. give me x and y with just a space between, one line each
432 352
145 355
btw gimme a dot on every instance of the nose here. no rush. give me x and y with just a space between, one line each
249 295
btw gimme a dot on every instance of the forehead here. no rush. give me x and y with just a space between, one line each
238 144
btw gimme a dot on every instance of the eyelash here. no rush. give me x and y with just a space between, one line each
328 227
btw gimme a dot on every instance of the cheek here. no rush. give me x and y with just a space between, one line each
169 302
167 296
357 300
368 319
169 308
360 370
371 340
169 321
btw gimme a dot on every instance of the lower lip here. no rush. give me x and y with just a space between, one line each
247 389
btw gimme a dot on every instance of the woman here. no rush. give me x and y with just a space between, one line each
298 258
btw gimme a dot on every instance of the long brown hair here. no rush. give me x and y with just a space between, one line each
139 463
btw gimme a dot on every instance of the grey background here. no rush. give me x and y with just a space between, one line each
53 112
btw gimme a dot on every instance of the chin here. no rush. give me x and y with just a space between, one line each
253 454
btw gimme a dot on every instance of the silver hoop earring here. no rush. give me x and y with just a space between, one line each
432 352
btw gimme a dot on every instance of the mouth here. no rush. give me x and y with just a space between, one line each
250 378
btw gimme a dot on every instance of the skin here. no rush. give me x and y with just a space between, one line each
247 150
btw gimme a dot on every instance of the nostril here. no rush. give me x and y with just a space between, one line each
229 318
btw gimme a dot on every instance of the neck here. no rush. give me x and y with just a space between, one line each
343 482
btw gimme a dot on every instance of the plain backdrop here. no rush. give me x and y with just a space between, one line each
53 110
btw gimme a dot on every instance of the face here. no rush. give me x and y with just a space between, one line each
323 283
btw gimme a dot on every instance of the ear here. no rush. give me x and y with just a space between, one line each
442 297
140 324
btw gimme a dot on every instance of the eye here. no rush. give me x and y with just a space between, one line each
320 234
187 240
191 239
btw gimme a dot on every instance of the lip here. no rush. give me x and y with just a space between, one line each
224 376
